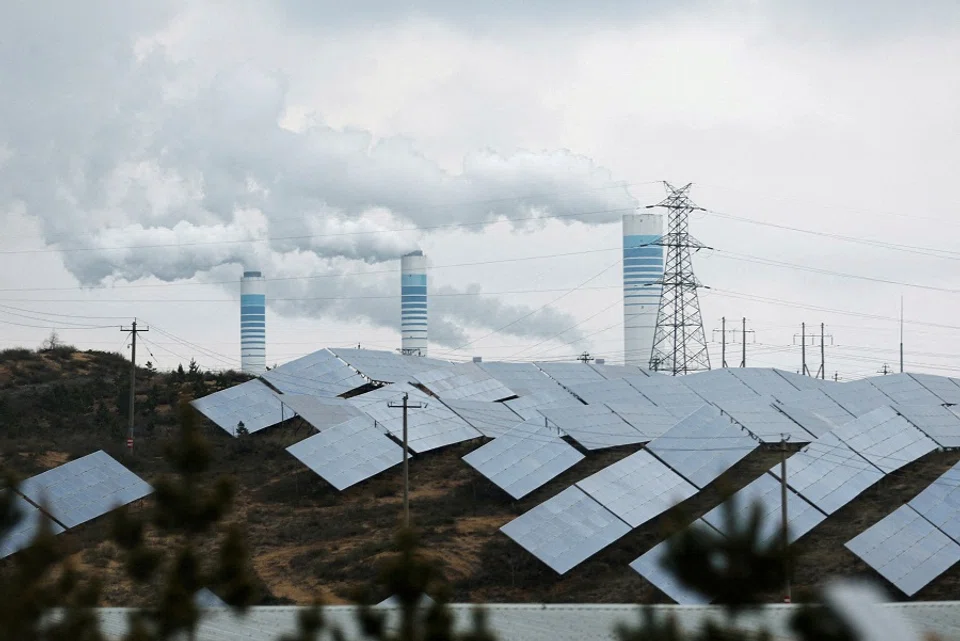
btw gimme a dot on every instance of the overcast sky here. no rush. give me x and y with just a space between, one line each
150 150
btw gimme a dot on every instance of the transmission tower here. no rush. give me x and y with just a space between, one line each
679 342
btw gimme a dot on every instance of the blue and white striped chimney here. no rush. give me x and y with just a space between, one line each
253 323
642 271
413 304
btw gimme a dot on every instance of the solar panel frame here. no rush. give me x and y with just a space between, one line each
523 459
464 381
637 488
252 402
939 502
718 385
764 381
886 439
936 421
764 420
319 411
903 388
349 453
703 446
566 530
605 391
649 566
567 374
906 549
85 488
945 388
490 419
802 516
595 427
22 534
319 374
857 397
667 392
819 403
828 473
810 421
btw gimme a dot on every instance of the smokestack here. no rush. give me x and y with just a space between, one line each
642 270
413 304
253 323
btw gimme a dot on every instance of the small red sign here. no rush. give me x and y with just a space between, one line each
130 443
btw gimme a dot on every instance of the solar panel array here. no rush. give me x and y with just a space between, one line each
20 535
594 426
903 388
650 566
568 374
763 381
906 549
637 488
649 420
465 381
817 402
320 411
524 458
616 390
346 454
765 420
703 446
566 529
810 421
886 439
251 403
939 503
320 373
490 419
936 421
857 397
387 367
84 489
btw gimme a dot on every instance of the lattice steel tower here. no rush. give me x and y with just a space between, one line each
679 342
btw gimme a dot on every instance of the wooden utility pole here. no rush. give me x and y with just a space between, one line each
406 455
134 330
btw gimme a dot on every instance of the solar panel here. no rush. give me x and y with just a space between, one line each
766 491
763 381
637 488
320 411
464 381
84 489
613 372
651 421
252 403
857 397
718 385
345 454
520 377
490 419
205 598
906 550
936 421
703 446
387 367
817 402
946 389
394 602
594 426
811 422
802 382
429 427
650 566
609 390
320 374
764 420
528 405
667 392
828 473
903 388
566 530
523 459
570 373
886 439
939 503
22 534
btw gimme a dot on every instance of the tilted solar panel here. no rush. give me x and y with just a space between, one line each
637 488
906 549
251 403
817 402
765 421
903 388
811 422
319 374
566 530
570 373
763 381
594 426
23 533
651 421
387 367
616 390
886 439
490 419
945 388
85 488
321 412
524 458
939 503
650 566
718 385
612 372
857 397
667 392
703 446
464 381
345 454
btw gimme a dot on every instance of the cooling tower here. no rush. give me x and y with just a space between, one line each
642 270
413 304
253 323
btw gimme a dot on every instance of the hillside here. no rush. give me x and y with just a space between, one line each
309 539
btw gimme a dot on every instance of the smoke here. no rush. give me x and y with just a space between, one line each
139 170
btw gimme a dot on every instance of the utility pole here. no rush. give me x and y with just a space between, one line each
735 335
585 358
884 370
743 360
823 364
783 503
679 342
723 342
803 349
133 329
406 455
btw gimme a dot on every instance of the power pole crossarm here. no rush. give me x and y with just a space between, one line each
134 330
405 405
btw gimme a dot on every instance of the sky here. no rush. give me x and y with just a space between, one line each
152 150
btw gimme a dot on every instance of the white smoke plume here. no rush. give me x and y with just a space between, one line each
138 173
